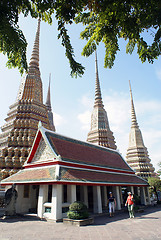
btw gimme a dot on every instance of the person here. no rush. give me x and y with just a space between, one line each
10 201
112 204
130 204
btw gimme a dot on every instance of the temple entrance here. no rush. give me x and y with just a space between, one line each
124 194
90 198
78 193
33 195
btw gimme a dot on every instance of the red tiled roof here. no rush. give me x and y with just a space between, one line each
81 152
100 177
27 175
45 175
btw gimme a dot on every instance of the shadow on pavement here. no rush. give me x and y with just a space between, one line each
123 214
20 218
147 218
98 220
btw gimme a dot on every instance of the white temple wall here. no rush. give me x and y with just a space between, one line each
25 202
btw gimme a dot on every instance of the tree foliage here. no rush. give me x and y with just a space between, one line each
159 171
155 185
104 21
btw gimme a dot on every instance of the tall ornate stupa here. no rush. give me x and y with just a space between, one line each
100 132
22 119
137 154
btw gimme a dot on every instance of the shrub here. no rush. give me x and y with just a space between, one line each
77 210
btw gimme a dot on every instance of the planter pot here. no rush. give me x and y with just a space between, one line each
78 223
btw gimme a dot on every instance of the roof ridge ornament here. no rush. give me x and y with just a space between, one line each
40 124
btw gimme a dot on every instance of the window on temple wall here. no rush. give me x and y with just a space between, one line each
64 193
49 193
78 193
26 191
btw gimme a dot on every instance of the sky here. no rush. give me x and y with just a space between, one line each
72 99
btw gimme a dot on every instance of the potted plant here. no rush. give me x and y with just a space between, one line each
78 214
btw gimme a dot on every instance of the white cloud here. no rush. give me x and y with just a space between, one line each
152 136
118 111
58 119
85 119
86 101
148 107
158 73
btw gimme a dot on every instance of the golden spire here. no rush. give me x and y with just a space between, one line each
48 99
98 97
34 61
133 114
33 84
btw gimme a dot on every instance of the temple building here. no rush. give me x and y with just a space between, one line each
137 154
21 125
60 170
100 132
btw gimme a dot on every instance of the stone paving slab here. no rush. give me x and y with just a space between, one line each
145 226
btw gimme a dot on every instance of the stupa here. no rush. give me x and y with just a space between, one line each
100 132
137 154
22 120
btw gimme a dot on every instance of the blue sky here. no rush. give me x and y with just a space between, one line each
72 99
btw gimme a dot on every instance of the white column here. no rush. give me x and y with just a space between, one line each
68 193
81 193
136 190
56 204
121 197
116 193
132 190
97 202
43 196
148 195
71 193
118 200
142 196
85 189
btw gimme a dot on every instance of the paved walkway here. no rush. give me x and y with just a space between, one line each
146 225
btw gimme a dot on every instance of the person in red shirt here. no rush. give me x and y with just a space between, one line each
130 204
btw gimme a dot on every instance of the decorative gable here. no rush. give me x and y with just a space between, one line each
43 153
